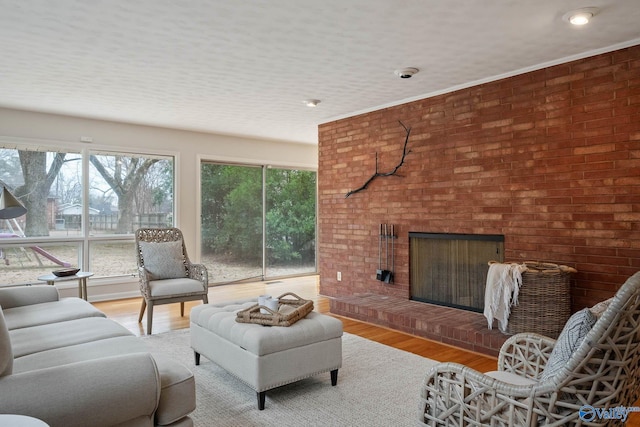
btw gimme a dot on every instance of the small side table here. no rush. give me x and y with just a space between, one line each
21 421
80 276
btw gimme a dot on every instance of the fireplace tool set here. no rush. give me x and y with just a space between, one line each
386 233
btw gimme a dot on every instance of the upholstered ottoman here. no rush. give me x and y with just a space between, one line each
266 357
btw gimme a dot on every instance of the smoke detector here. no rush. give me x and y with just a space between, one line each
406 73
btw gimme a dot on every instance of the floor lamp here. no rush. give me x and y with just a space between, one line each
10 207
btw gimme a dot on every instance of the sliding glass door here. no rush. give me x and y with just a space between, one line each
231 222
257 222
290 222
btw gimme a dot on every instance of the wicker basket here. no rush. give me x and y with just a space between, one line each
544 300
290 310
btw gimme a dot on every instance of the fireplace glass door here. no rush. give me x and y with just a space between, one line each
451 269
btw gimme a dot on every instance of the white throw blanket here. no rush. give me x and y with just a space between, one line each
503 284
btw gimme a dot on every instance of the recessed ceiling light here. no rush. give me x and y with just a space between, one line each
311 102
406 73
580 16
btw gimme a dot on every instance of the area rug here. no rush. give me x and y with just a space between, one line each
377 385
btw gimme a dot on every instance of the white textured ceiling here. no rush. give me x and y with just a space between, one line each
243 67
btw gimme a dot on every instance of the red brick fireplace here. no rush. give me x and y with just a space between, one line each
549 159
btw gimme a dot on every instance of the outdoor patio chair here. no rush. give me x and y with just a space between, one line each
165 272
586 377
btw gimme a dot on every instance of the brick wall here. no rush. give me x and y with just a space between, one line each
550 159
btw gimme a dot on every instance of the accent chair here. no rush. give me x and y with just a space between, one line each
165 272
588 373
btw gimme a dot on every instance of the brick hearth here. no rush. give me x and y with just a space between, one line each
464 329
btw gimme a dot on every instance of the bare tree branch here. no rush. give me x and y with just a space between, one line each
392 172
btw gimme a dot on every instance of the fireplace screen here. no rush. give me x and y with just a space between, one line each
451 269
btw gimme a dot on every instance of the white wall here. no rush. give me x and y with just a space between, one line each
190 148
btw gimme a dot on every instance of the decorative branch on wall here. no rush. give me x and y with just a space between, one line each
392 172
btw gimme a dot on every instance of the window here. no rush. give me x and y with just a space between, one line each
113 257
257 222
42 181
127 192
82 209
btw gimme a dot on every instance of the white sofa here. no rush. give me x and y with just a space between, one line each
62 361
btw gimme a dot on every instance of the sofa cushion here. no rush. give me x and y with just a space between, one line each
572 335
177 395
14 296
121 390
50 312
163 260
80 352
168 287
6 354
178 391
46 337
510 378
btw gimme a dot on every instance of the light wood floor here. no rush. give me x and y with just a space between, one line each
167 318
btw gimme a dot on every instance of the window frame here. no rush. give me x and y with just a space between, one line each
85 239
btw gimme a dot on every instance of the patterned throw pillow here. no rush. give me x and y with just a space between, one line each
572 335
163 260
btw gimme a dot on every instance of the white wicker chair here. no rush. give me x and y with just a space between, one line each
189 281
602 372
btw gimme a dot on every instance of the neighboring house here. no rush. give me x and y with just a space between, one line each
70 216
